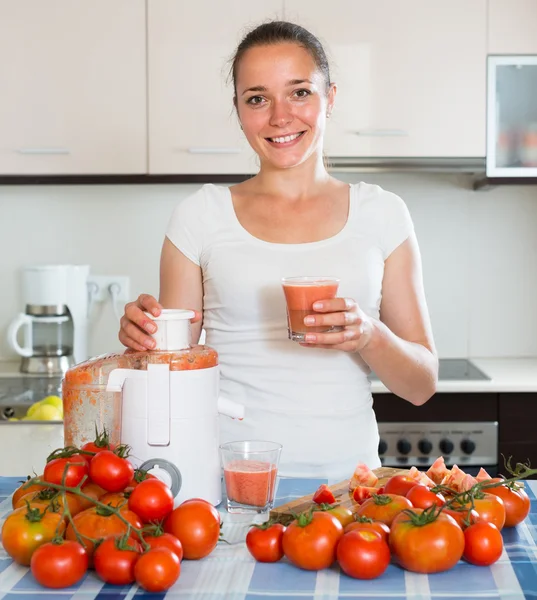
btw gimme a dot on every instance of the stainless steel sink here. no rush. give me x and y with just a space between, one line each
17 394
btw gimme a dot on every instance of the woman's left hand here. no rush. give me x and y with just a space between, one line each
339 312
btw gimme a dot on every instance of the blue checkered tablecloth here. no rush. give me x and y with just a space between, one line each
230 573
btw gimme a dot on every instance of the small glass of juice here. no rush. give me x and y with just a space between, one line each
250 469
300 294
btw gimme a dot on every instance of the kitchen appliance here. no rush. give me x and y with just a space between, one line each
461 427
164 404
55 321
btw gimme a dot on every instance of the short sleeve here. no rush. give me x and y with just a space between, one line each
396 222
186 226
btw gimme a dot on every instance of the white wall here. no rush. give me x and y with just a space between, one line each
479 251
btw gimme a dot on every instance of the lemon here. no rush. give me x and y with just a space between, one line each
46 412
33 409
55 401
13 419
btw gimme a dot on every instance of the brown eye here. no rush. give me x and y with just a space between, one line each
255 100
303 93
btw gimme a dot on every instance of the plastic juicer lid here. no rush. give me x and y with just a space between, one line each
173 331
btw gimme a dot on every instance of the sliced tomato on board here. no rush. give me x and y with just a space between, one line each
362 493
324 495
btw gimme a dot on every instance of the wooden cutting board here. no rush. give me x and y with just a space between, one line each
340 491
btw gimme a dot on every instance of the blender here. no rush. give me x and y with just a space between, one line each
164 404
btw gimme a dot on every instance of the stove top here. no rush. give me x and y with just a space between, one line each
457 369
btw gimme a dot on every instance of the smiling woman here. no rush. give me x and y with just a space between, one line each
227 249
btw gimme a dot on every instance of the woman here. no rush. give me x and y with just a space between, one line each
226 250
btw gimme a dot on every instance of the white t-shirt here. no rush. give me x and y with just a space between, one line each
315 402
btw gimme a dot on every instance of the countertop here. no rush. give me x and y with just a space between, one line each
230 573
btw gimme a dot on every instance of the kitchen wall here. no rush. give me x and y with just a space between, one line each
479 251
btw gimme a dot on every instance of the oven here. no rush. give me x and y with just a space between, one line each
460 426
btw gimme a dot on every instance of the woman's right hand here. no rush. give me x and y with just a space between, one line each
136 326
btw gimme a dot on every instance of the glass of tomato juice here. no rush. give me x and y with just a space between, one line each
300 294
250 469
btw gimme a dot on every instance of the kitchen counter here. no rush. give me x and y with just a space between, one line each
230 573
506 375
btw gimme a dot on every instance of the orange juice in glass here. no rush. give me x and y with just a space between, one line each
250 469
300 294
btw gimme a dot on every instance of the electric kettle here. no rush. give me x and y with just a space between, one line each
164 404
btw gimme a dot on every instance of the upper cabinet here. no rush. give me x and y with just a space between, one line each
73 87
193 127
512 27
411 76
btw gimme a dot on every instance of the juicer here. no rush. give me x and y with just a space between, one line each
164 404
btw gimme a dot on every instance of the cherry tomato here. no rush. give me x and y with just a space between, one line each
25 530
165 540
483 544
76 467
324 495
384 507
151 500
157 570
368 524
265 542
363 554
59 564
114 560
310 541
110 471
426 548
399 485
197 525
515 500
422 497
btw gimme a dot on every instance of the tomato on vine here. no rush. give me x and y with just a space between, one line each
59 563
111 470
115 558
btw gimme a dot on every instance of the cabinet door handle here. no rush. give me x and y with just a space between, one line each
382 132
203 150
52 151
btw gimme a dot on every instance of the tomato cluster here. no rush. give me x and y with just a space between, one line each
92 509
425 529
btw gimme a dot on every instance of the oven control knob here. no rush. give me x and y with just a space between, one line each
404 446
383 446
467 446
425 446
446 447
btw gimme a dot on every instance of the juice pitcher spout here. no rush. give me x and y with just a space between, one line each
230 408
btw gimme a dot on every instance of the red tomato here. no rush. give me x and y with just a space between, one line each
25 530
94 523
428 548
363 554
197 525
110 471
342 514
100 443
265 543
363 492
139 476
151 500
54 499
399 485
114 562
93 491
462 517
59 565
515 500
157 570
310 542
76 467
25 488
490 508
483 544
368 524
422 497
384 507
115 499
165 540
324 495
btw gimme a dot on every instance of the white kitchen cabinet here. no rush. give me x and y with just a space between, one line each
411 75
193 127
73 97
512 27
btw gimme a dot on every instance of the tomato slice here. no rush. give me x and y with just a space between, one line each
363 492
324 495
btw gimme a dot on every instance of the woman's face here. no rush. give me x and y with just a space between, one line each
282 102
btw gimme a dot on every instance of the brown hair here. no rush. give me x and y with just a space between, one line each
278 32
